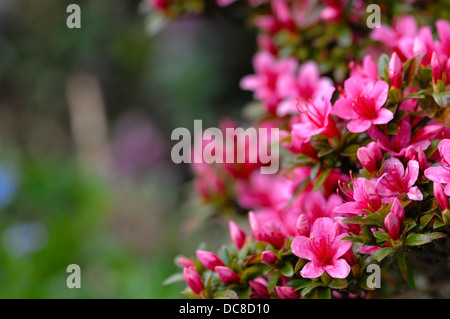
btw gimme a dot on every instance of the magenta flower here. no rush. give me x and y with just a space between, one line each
443 45
394 220
396 181
324 249
398 144
364 196
363 104
368 72
266 231
264 82
269 257
315 118
441 198
441 174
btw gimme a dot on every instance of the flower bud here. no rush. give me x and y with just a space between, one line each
193 280
286 292
209 260
441 198
269 257
395 71
303 225
447 72
259 289
237 235
392 224
369 156
398 210
227 275
185 262
436 68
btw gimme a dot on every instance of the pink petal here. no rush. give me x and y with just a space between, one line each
339 269
414 194
359 125
379 93
301 247
412 172
250 82
384 116
438 174
323 227
310 270
343 109
341 247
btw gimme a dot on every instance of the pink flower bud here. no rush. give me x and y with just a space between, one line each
259 289
398 210
227 275
269 257
392 224
237 235
286 292
209 260
303 225
395 71
369 156
441 198
266 232
436 68
185 262
193 280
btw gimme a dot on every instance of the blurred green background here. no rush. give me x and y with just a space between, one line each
85 122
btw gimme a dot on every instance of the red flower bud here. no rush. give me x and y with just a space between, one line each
193 280
303 225
392 224
237 235
286 292
269 257
209 260
436 68
369 156
227 275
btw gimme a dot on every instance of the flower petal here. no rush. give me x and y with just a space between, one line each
311 270
339 269
301 247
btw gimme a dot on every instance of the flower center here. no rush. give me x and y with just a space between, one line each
364 107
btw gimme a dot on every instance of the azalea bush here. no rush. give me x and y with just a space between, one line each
364 120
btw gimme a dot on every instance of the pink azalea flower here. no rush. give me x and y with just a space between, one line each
441 174
364 196
395 71
397 181
324 249
368 72
315 118
441 198
398 143
264 82
394 220
266 230
306 86
209 259
363 104
314 205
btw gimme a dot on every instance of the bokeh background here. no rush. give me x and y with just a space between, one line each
86 117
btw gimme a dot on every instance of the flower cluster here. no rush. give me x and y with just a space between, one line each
366 172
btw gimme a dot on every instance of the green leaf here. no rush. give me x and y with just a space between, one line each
417 240
287 270
382 253
435 235
314 171
406 270
324 294
310 286
338 283
299 264
383 64
442 99
173 279
299 283
424 220
225 294
381 236
252 273
322 178
350 150
272 282
438 224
